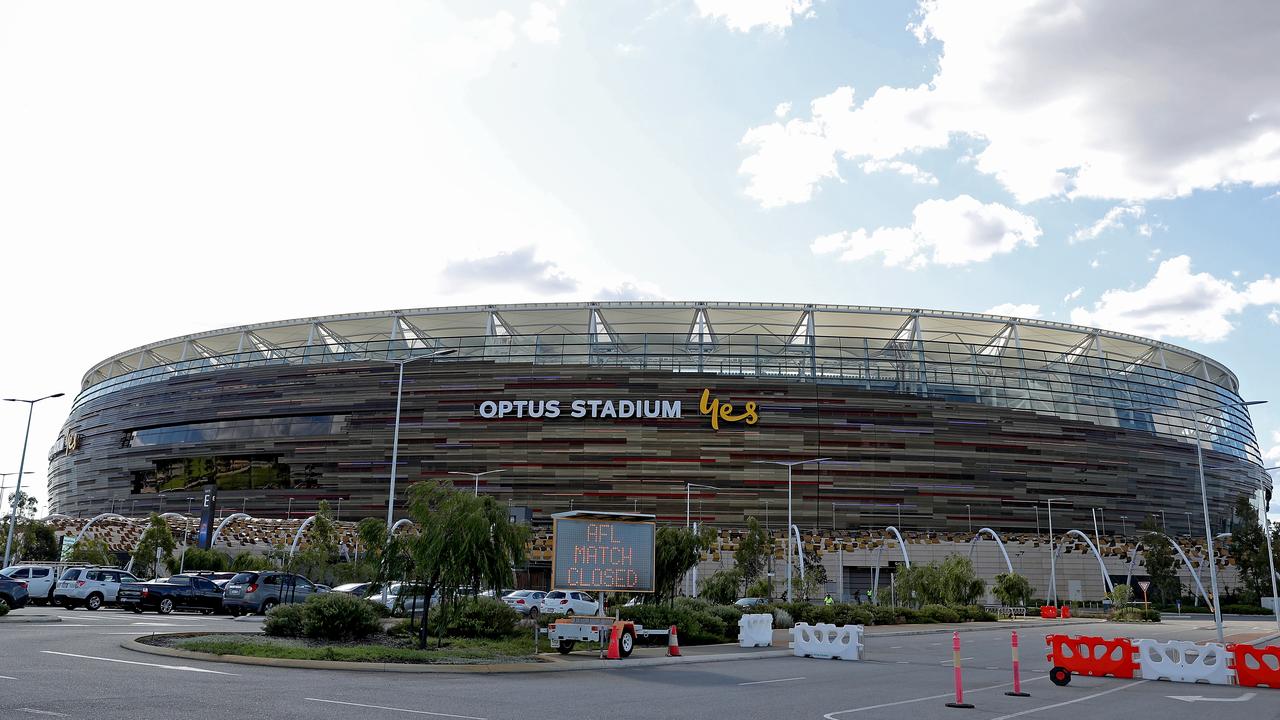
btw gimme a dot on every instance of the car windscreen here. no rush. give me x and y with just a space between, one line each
245 577
556 595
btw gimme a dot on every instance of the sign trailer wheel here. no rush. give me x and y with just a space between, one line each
626 643
1060 676
566 647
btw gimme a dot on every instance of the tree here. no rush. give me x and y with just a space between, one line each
26 504
815 575
676 552
1012 590
753 552
197 559
1249 546
321 551
1161 564
39 542
951 582
1121 595
156 539
91 551
762 588
722 586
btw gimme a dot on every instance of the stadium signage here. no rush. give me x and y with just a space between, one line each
716 410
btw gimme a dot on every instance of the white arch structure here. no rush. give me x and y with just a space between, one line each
400 523
96 518
1194 575
298 535
973 544
218 531
875 581
1102 568
795 531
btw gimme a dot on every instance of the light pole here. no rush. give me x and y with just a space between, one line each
395 434
1271 561
1053 557
693 578
1123 528
17 488
788 464
969 509
476 477
2 486
1188 514
289 512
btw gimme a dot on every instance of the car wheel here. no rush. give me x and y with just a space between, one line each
137 609
234 612
166 606
627 643
207 611
267 605
534 613
566 647
93 602
568 613
49 600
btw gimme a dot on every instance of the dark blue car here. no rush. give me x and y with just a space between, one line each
13 593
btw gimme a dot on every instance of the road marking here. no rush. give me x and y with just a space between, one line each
396 709
6 677
832 715
135 662
895 647
1072 702
948 662
33 711
1200 698
762 682
904 662
992 667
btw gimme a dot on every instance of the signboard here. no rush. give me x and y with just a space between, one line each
603 555
208 511
68 542
713 408
1144 584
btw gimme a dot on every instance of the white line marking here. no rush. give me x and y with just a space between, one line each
948 662
134 662
33 711
6 677
904 662
992 667
396 709
895 647
832 715
1071 702
762 682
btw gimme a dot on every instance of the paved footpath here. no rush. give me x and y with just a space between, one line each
76 669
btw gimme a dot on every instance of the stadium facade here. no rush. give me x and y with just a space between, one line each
929 419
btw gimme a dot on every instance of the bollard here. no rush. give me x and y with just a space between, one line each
1017 682
955 656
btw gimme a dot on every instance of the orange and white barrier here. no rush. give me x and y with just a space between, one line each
755 630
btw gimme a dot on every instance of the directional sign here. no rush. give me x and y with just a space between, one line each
1144 584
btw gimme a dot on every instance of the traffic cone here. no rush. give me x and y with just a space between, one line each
613 653
673 643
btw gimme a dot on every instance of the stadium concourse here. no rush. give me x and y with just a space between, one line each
857 552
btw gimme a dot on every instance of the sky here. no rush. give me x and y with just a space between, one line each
169 167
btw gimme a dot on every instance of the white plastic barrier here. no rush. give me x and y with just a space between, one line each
841 642
1183 661
755 630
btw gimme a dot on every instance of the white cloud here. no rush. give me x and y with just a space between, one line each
1272 454
1178 304
1073 295
1274 316
630 291
1025 310
541 26
1095 263
782 110
1037 82
746 15
1114 218
907 169
517 267
943 232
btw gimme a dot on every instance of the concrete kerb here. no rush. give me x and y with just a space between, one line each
542 665
981 627
11 618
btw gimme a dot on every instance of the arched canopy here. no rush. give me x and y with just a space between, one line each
298 535
999 543
96 518
401 523
1102 568
218 531
1185 561
875 575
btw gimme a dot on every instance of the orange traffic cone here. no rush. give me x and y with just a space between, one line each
613 653
673 643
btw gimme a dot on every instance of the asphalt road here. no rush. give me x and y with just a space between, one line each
76 669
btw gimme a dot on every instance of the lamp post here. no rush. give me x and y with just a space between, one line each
17 488
476 477
289 512
1271 561
2 486
1053 557
693 578
969 509
1123 528
788 464
1188 514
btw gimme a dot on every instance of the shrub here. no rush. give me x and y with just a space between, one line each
1012 589
975 613
729 614
762 588
4 608
1121 595
379 608
722 586
698 622
850 614
939 614
477 617
884 615
338 616
1135 614
284 621
1237 609
782 618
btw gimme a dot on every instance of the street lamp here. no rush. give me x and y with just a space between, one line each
969 509
693 578
1188 514
788 464
395 435
1123 528
1271 561
1053 556
476 477
17 489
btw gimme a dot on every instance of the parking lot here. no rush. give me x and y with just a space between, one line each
76 668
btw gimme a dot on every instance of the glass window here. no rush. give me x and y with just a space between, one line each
179 580
244 578
70 574
126 577
39 572
271 580
20 574
93 575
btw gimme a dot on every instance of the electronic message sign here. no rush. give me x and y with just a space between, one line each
603 555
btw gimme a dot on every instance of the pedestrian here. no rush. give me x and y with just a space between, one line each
828 600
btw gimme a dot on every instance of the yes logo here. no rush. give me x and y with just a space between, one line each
724 411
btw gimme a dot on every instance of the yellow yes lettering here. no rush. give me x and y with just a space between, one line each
724 411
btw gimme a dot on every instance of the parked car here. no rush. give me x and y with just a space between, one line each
13 593
358 589
406 597
258 592
38 579
525 602
92 587
569 602
216 577
750 602
180 592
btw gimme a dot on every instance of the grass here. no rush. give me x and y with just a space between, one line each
382 649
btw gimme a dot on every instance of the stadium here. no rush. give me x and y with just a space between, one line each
928 420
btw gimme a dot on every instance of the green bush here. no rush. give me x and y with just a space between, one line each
698 623
378 608
284 621
721 587
1237 609
762 588
939 614
1135 614
975 613
782 618
850 614
338 616
477 617
884 615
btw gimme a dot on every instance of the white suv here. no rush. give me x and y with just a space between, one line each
39 580
91 587
569 602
